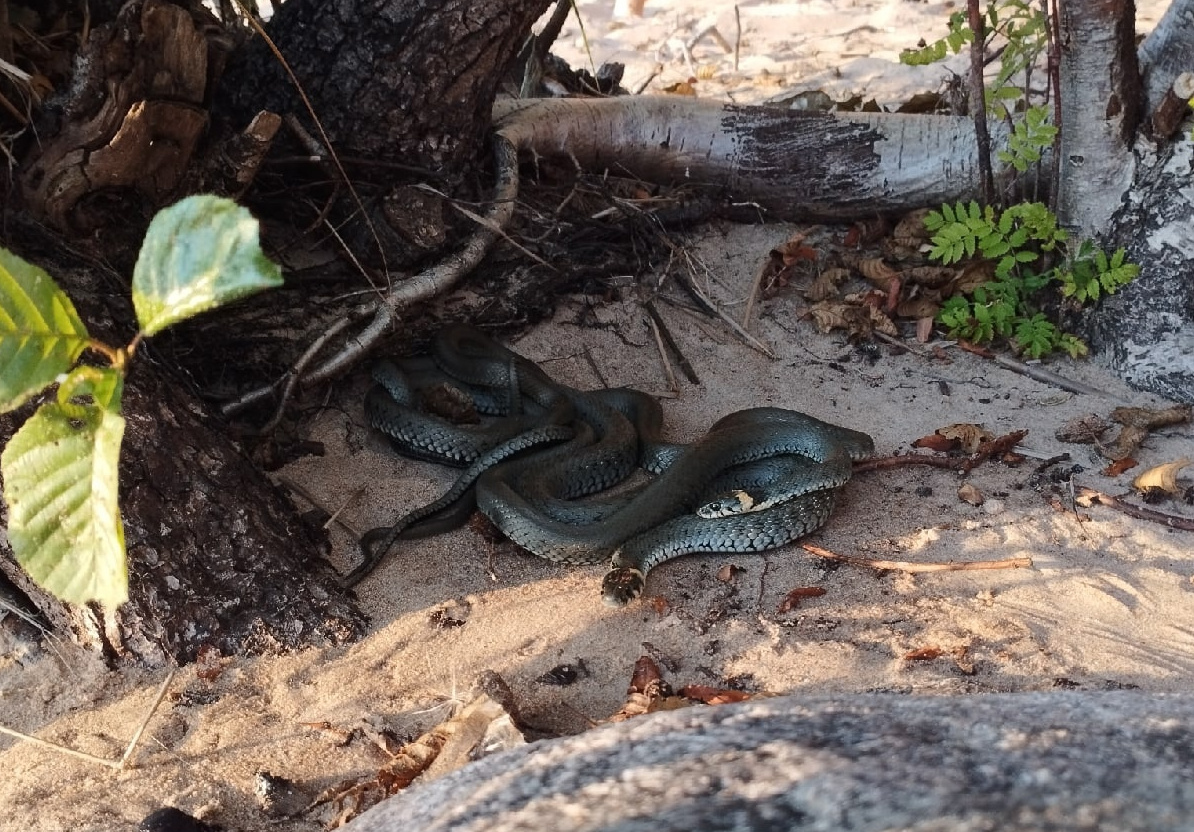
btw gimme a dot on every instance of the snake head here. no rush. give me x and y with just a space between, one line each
621 585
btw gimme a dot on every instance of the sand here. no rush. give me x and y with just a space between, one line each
1106 603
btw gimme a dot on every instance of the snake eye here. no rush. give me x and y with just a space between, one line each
736 502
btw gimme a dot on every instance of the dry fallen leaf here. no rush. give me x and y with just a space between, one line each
970 436
1085 430
824 285
1163 477
972 275
877 271
963 661
930 276
937 442
727 572
648 692
1119 466
829 315
1137 422
455 738
924 654
918 308
924 329
910 230
713 696
967 493
682 87
882 323
793 250
865 232
792 599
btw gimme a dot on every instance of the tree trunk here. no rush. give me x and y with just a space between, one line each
1167 51
1101 107
1145 331
402 90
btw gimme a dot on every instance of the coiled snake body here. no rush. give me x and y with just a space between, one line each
758 479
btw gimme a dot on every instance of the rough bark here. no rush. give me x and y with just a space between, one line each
402 90
1101 107
1146 331
121 140
218 556
1168 50
391 80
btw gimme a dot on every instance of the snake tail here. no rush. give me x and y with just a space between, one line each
621 585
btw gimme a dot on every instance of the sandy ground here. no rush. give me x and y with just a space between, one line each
1105 604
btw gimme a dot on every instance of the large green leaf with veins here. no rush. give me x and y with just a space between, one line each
199 253
41 335
60 483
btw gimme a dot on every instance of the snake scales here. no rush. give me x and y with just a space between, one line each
758 479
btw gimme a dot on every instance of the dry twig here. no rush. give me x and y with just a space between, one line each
909 566
1138 512
115 765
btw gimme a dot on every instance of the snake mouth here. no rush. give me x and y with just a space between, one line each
621 585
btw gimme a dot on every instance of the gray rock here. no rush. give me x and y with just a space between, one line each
1035 761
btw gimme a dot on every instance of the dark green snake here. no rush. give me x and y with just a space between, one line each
758 479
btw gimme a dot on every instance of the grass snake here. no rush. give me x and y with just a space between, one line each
758 479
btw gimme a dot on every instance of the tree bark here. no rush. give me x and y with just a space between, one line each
1167 51
402 89
1145 332
1101 107
408 81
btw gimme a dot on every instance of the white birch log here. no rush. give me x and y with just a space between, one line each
792 164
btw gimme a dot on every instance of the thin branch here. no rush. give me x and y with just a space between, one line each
128 752
909 566
423 286
115 765
750 340
327 142
1138 512
882 463
663 332
1053 27
672 384
297 370
1048 377
978 101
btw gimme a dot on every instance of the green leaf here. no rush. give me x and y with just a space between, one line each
60 476
41 335
198 254
103 385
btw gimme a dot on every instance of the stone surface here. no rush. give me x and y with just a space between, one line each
1036 761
